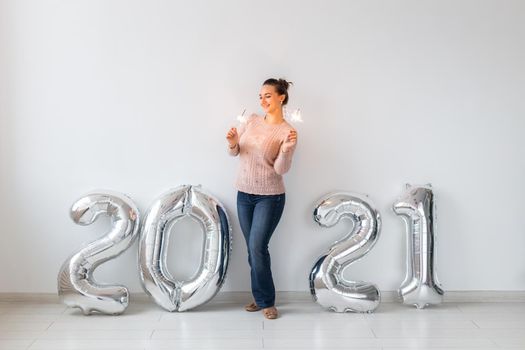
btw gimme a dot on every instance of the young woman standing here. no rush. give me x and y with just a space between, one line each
265 145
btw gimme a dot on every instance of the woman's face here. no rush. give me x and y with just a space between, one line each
269 99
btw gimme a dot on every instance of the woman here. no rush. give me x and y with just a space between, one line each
265 145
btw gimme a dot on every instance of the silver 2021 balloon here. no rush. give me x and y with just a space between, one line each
171 294
327 283
420 287
76 287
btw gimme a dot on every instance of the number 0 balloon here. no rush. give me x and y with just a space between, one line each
169 293
327 284
76 287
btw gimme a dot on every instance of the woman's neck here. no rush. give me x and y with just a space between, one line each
274 118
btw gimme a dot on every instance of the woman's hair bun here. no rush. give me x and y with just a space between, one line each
284 83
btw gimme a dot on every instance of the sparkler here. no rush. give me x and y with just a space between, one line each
241 118
296 116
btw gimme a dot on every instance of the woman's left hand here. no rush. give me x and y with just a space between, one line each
290 141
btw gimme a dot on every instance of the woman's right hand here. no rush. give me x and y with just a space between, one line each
233 137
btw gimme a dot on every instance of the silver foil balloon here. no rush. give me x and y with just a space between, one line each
420 287
327 284
76 287
167 292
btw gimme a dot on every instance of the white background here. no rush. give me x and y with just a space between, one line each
136 96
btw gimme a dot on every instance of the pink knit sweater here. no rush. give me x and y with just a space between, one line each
262 162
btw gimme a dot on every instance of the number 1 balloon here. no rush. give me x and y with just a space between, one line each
76 287
171 294
327 283
420 287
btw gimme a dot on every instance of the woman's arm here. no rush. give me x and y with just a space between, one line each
283 162
235 136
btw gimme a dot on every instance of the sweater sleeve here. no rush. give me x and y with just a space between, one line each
233 151
283 162
241 129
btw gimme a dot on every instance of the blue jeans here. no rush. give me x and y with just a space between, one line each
259 216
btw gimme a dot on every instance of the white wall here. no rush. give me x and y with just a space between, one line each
136 96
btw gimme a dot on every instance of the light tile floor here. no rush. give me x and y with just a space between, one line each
302 325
